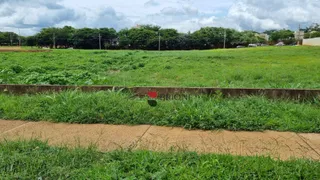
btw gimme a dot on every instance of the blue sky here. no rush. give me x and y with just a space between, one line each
185 15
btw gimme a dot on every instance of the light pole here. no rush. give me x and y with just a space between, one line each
19 37
224 40
159 46
99 41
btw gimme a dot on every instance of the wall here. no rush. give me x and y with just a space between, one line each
311 42
169 91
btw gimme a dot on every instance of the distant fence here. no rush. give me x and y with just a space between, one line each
311 42
168 91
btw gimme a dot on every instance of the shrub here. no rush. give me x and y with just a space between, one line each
16 68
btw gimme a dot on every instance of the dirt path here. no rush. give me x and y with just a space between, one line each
283 145
19 49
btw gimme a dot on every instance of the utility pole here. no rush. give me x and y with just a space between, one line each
99 41
159 41
224 40
11 39
299 35
19 37
54 40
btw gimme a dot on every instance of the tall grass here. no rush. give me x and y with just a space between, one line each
270 67
37 160
196 112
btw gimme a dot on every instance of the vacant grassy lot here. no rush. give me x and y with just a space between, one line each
267 67
62 163
208 113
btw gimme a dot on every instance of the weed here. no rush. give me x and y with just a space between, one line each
195 112
16 68
286 67
141 65
37 160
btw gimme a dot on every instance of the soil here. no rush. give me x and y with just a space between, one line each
278 145
19 49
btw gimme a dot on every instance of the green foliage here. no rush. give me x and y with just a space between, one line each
147 37
85 38
315 27
9 39
282 35
312 34
37 160
194 112
60 78
16 68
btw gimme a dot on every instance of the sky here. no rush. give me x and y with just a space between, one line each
29 16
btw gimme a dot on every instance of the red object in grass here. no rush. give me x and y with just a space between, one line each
153 94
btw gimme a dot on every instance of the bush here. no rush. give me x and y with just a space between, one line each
141 65
16 68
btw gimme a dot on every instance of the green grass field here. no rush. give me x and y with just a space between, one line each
37 160
265 67
196 112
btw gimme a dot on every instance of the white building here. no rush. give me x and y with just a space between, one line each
311 42
299 35
263 36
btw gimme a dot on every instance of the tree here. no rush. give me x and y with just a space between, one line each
86 38
107 37
269 32
150 27
64 36
169 39
139 38
183 41
9 38
282 35
124 41
46 36
30 41
313 27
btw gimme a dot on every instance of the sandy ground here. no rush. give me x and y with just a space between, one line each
19 49
282 145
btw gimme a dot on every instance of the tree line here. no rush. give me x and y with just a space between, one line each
149 37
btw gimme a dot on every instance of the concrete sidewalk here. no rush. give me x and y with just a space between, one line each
283 145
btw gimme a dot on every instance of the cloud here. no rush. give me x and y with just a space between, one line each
32 15
151 3
184 19
184 15
108 17
274 14
6 11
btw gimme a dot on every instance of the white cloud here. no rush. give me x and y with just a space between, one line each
151 3
32 15
184 15
274 14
